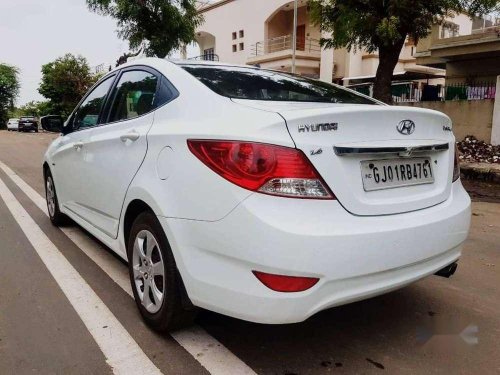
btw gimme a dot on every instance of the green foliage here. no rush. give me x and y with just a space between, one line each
64 82
370 24
158 26
37 109
9 89
14 112
384 25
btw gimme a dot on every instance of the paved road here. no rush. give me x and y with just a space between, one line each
47 327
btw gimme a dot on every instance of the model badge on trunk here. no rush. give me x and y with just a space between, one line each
326 127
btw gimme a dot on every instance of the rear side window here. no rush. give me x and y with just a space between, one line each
87 114
166 92
257 84
134 95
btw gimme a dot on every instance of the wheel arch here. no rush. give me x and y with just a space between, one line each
46 169
134 209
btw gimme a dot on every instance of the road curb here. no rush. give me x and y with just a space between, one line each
481 172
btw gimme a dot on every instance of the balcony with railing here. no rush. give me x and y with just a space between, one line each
447 42
412 92
280 49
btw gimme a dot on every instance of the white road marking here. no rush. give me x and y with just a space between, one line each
211 354
216 358
122 353
107 262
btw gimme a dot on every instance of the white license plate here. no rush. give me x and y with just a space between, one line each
392 173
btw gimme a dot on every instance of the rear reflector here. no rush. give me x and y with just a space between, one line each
288 284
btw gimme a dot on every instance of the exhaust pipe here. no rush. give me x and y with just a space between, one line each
448 270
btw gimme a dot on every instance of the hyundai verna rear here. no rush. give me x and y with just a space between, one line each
254 193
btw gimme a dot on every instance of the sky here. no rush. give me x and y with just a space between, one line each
34 32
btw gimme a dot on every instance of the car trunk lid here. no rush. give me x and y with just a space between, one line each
344 141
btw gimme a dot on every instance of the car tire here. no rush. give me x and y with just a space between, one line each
57 218
157 295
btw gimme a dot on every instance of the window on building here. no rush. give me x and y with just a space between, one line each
209 54
450 30
242 46
234 35
235 48
242 34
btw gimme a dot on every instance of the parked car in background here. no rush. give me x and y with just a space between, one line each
256 194
27 124
12 124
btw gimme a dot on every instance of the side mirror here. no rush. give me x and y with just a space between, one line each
52 123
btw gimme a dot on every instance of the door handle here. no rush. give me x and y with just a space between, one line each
132 136
78 145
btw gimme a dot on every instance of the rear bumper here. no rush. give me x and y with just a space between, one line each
28 127
354 257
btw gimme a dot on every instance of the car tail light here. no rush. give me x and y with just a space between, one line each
456 165
282 283
265 168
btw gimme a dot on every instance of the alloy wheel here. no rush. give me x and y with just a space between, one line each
149 271
51 196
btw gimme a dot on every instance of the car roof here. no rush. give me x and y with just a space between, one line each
211 63
150 60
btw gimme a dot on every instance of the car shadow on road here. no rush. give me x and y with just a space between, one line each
357 337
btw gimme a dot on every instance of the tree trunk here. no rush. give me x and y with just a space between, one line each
388 58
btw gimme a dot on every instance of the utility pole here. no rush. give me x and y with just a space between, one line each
294 34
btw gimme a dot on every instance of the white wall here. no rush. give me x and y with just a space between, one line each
495 131
247 15
464 22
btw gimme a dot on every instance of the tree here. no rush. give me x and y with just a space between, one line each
9 89
65 81
159 26
384 26
37 109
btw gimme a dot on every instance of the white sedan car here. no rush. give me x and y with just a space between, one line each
254 193
13 124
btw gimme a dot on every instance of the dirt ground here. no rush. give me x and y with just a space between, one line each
483 191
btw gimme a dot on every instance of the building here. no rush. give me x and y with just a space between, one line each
472 63
472 56
259 32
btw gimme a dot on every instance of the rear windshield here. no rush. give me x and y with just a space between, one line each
257 84
27 118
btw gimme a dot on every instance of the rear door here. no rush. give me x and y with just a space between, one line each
372 167
116 149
